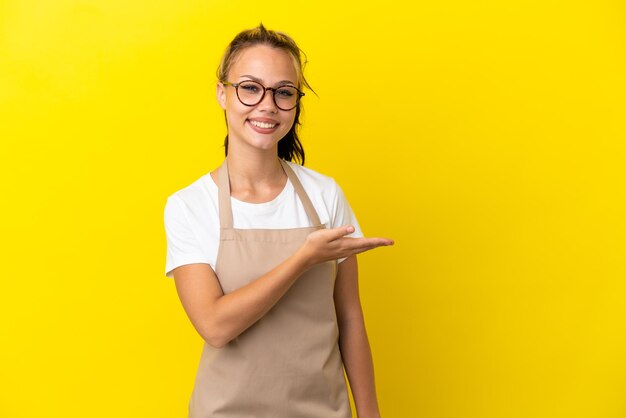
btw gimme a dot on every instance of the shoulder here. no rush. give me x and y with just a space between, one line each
314 181
196 196
328 198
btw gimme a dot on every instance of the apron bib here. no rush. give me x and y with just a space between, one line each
287 364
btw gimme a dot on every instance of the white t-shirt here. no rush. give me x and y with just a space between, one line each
192 222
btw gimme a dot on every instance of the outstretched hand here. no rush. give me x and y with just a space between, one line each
331 244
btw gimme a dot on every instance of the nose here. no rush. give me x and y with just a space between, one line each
268 102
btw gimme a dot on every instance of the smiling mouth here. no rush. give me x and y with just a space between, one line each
263 125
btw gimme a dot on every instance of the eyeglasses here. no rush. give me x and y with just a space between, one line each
251 93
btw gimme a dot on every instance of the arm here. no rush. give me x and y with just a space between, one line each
353 342
219 318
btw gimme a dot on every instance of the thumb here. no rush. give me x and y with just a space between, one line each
341 231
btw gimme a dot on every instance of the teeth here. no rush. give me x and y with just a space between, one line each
262 124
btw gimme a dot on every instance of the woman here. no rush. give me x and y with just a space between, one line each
263 253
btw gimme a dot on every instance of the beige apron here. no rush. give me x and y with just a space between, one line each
287 364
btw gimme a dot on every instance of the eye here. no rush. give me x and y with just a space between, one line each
249 87
285 92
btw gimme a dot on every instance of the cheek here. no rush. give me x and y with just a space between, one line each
236 112
289 121
233 120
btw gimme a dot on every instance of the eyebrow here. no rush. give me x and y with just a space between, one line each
258 80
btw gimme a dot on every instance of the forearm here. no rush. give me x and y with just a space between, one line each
236 311
357 358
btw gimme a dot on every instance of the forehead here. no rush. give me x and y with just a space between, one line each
265 63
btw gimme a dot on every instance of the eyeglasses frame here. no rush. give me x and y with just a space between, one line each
265 89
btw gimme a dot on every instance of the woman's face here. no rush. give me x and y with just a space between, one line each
263 125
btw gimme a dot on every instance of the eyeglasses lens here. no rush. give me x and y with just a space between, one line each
251 93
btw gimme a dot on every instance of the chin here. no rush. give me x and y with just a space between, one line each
264 145
267 141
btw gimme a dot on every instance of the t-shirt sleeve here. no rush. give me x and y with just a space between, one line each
343 215
182 244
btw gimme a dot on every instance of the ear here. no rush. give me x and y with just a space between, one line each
220 93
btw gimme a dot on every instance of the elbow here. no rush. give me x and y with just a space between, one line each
215 342
216 330
214 336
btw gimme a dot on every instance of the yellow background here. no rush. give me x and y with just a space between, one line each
487 138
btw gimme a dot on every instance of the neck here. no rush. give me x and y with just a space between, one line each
253 167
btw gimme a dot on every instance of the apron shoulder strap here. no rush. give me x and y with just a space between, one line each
223 190
304 198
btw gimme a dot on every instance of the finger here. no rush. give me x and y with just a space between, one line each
365 248
363 241
356 248
336 233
